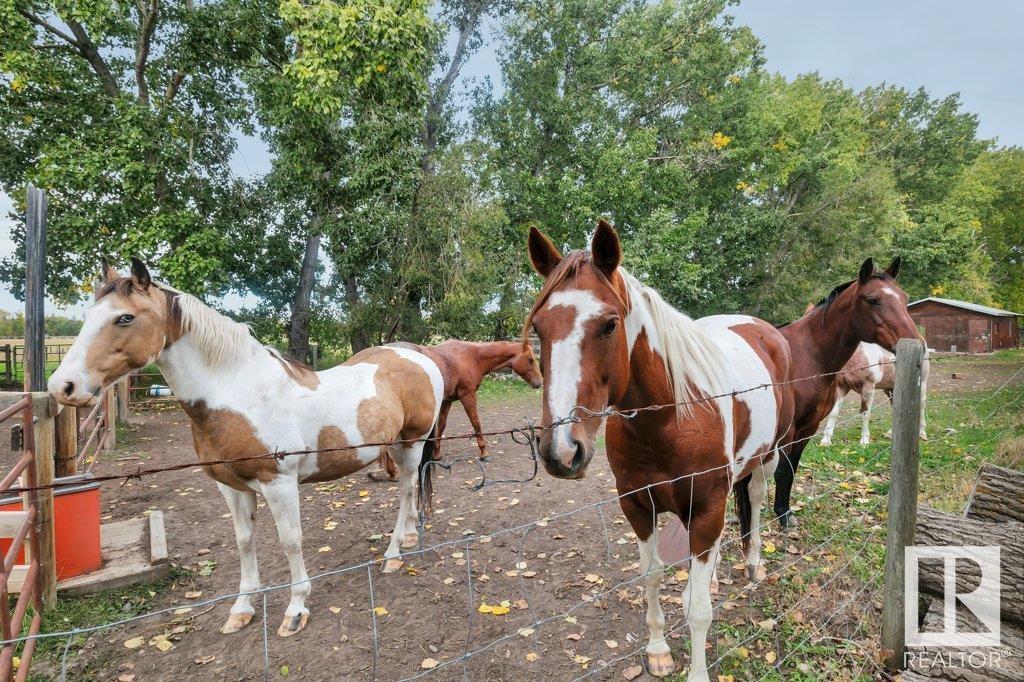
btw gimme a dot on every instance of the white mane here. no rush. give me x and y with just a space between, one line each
694 363
216 336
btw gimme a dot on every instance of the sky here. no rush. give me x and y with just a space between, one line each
971 47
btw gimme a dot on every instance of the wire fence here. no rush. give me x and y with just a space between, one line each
598 596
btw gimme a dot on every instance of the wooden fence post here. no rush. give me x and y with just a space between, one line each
35 283
66 426
43 410
8 372
122 400
109 419
906 420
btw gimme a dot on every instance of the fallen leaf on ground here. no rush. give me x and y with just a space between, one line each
632 672
531 657
194 594
770 657
574 636
203 660
611 644
324 549
429 663
134 642
334 609
380 610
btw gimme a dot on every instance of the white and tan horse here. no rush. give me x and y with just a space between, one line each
871 367
244 399
608 340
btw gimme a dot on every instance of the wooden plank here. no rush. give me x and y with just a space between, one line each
43 410
157 539
906 420
10 522
16 580
35 283
126 560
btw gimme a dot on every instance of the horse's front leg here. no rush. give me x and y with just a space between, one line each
242 504
659 656
282 495
705 536
867 401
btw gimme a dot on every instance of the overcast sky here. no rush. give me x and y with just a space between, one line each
971 47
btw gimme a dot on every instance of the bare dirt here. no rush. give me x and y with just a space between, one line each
430 610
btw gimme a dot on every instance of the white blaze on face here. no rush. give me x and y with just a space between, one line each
72 369
896 298
567 357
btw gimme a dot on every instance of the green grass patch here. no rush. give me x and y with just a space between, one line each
496 388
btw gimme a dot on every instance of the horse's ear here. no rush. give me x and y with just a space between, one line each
544 256
140 274
107 273
605 247
866 270
894 267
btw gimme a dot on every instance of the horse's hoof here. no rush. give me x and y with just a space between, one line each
924 436
484 455
756 573
713 588
391 565
379 476
235 622
660 665
410 541
826 443
787 519
292 625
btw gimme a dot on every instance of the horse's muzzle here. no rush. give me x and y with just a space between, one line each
561 464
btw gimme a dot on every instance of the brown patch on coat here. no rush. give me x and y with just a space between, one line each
404 405
335 458
224 434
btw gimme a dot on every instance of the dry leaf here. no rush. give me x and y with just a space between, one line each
429 663
126 677
380 611
611 644
448 581
632 672
574 636
194 594
593 578
324 549
134 642
334 609
525 632
203 660
770 657
768 624
769 547
164 645
529 574
682 575
570 619
531 657
728 605
581 660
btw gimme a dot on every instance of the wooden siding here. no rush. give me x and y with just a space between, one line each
948 328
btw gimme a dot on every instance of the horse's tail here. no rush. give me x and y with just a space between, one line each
425 491
741 491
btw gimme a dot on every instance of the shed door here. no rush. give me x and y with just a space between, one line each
979 337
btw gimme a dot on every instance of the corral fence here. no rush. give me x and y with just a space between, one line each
528 618
12 360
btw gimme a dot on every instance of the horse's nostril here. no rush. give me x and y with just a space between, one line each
69 388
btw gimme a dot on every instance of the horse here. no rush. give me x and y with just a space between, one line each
463 365
870 367
871 309
607 340
246 401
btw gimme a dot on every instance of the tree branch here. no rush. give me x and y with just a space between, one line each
147 24
92 55
42 23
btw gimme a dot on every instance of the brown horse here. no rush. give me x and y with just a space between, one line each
869 309
246 401
608 340
463 365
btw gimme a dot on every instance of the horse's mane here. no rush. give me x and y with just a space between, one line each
692 361
216 336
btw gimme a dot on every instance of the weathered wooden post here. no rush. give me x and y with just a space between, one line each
66 426
43 410
906 419
122 400
109 419
35 282
8 365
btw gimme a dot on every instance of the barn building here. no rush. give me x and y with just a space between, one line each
958 326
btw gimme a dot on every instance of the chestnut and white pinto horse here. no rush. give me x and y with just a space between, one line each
245 400
608 340
871 367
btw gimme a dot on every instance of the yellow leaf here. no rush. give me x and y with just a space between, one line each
570 619
380 611
334 609
525 632
581 660
770 657
164 645
769 548
531 657
429 663
134 642
682 575
743 652
364 493
499 610
324 549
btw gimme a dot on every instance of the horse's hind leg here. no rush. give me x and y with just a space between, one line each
282 495
758 490
830 424
243 512
404 535
867 401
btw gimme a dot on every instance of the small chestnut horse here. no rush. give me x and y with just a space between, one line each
464 364
608 340
245 400
869 309
870 367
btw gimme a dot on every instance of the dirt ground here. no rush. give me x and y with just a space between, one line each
427 611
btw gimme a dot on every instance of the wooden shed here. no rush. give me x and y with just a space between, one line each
959 326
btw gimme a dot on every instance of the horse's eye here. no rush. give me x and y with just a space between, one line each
872 301
609 327
124 319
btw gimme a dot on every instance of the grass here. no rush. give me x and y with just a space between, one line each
505 386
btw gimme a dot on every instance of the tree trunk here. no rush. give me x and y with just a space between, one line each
298 326
974 664
358 337
998 495
937 528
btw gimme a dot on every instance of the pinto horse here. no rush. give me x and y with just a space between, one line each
246 400
869 309
464 364
870 367
609 341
